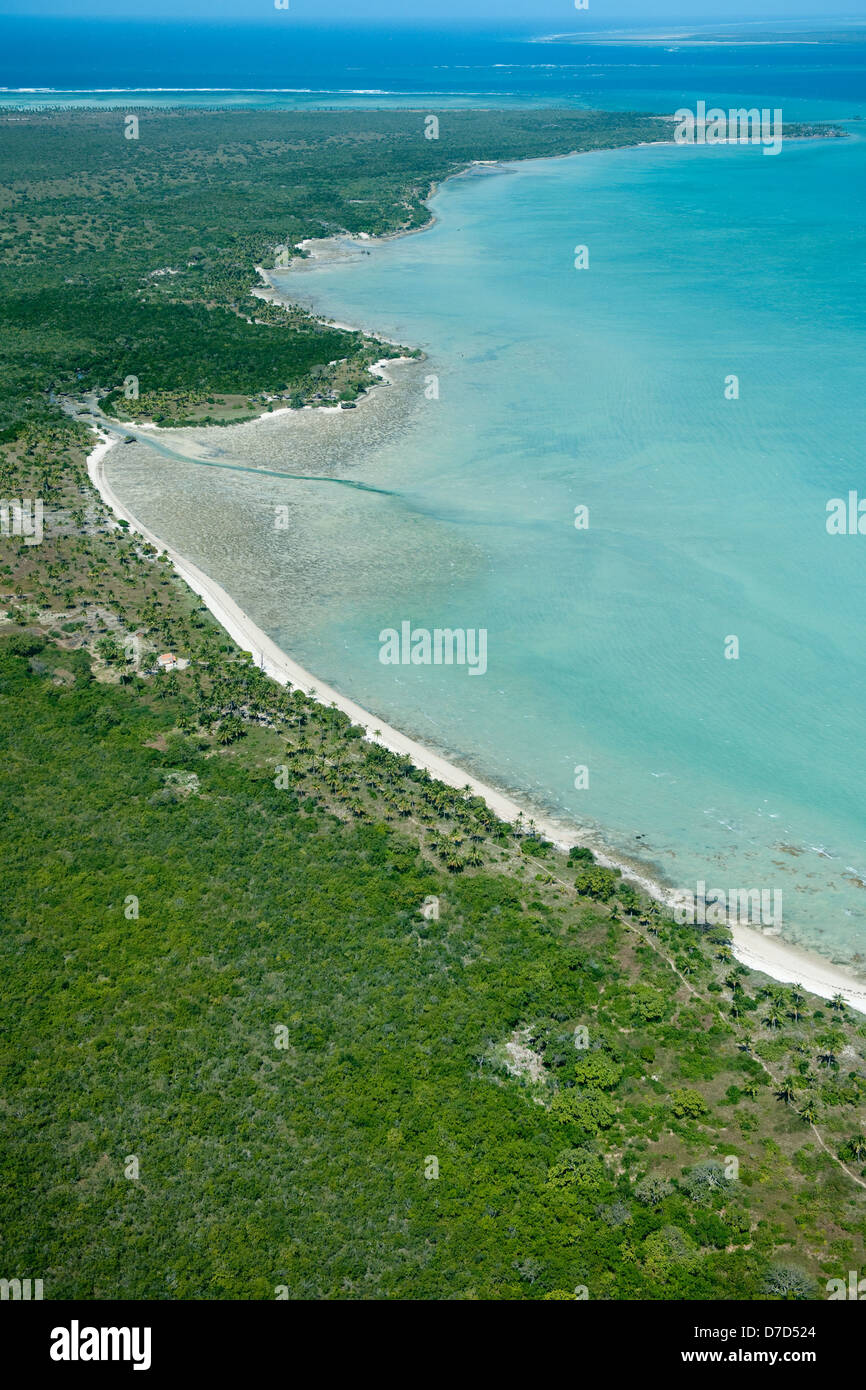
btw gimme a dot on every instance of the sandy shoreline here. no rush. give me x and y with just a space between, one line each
780 960
771 956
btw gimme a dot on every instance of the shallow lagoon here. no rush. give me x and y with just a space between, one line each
602 388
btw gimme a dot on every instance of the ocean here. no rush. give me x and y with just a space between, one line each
685 675
285 62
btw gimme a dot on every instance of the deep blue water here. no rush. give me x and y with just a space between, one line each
386 67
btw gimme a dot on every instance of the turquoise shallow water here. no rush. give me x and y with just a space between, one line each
602 387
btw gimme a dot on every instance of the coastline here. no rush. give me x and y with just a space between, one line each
344 246
780 960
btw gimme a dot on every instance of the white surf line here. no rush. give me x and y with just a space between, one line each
781 961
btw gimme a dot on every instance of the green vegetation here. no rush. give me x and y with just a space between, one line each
136 257
215 966
237 1058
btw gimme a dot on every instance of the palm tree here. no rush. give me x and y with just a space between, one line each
787 1090
229 731
809 1112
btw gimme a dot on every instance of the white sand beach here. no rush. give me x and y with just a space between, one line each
771 956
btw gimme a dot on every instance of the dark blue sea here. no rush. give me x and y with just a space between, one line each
281 62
